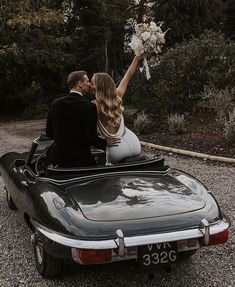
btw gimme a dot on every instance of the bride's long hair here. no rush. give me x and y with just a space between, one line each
106 94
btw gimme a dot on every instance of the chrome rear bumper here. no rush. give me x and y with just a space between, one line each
121 241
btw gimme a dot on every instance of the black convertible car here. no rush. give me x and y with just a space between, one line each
138 210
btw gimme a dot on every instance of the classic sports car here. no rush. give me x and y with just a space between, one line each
139 209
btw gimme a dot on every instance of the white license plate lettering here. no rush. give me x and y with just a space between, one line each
167 245
157 254
172 255
163 256
146 260
155 258
150 247
160 246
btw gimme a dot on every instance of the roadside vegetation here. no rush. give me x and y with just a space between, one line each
191 86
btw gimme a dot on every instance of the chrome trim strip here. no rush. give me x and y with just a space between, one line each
113 166
70 242
163 237
94 176
130 241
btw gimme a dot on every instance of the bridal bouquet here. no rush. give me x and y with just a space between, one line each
148 39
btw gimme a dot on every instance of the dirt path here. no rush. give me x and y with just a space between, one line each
17 136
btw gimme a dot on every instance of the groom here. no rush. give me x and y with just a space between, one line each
71 123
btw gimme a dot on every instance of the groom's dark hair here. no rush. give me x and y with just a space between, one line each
75 77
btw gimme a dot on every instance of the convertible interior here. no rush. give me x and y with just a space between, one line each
36 159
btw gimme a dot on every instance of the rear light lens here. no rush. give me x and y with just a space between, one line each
219 238
91 256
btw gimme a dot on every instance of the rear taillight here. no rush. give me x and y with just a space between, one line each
219 238
92 256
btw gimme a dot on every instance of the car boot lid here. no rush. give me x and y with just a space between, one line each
132 197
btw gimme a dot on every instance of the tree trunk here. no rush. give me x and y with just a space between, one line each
106 56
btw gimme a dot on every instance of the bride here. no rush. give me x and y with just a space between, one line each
110 114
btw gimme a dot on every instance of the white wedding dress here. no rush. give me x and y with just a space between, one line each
129 145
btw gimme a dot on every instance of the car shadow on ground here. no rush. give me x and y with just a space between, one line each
130 271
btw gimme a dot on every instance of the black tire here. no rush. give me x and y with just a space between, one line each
48 266
187 254
10 201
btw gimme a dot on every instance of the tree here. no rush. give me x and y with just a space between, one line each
98 31
187 18
88 26
229 24
35 53
117 14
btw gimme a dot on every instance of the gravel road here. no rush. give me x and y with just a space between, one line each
214 266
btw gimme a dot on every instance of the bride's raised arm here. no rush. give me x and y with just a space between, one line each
121 89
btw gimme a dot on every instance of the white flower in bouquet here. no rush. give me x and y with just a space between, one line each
153 27
160 38
137 45
141 28
145 36
148 39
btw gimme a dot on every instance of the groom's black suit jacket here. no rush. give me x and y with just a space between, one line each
72 123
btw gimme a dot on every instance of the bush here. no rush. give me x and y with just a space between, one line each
229 127
142 124
218 101
176 124
129 115
35 55
183 72
35 111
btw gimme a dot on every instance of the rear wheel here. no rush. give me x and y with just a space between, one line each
10 201
47 265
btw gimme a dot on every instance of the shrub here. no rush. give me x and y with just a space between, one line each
176 124
229 127
218 101
36 111
142 124
130 114
183 72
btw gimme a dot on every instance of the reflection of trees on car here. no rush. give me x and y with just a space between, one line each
108 192
131 192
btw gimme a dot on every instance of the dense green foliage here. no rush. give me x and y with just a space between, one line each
183 72
35 54
42 41
190 18
229 23
98 31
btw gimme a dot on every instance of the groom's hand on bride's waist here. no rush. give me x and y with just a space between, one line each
113 142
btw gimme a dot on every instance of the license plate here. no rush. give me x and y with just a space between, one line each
157 254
